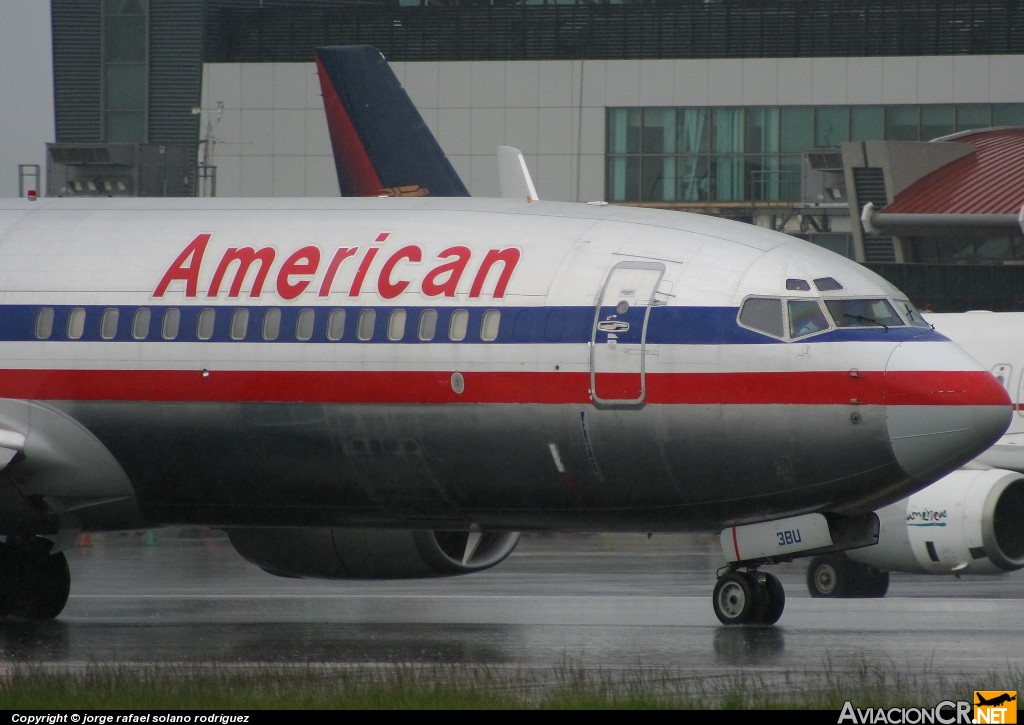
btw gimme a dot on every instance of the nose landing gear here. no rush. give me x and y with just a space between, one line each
748 597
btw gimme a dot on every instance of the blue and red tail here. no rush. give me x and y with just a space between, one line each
381 144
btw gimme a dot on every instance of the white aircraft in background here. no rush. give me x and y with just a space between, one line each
969 521
393 387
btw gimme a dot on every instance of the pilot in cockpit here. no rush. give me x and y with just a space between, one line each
805 317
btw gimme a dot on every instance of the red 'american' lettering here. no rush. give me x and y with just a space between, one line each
249 272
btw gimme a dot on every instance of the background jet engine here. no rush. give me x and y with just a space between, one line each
968 522
332 553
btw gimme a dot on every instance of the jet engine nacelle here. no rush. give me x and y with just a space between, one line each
333 553
965 523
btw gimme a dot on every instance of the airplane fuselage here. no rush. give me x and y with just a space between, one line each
447 363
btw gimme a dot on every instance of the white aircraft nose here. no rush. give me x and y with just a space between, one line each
942 409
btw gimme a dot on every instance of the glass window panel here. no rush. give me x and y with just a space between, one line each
458 325
44 323
972 116
658 178
140 323
763 314
124 126
304 324
727 129
336 325
108 323
796 128
396 325
76 323
125 87
428 325
624 130
125 38
867 123
790 168
367 321
659 131
901 123
728 178
271 324
936 121
171 323
692 178
805 317
204 325
489 325
762 130
1008 114
831 125
624 178
239 324
692 135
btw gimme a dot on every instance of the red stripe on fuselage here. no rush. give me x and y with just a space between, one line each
733 388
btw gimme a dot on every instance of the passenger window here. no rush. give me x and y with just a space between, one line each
367 321
44 323
108 323
204 325
489 325
271 324
76 323
171 323
396 325
763 314
239 324
805 318
458 325
428 325
304 324
140 323
336 325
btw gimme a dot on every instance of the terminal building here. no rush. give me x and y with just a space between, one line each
783 113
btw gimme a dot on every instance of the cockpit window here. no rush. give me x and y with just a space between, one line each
806 317
863 313
799 285
827 284
763 314
911 314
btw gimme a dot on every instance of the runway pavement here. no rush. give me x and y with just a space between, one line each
602 601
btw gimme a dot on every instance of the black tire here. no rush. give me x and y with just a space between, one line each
870 582
828 576
773 600
44 583
736 598
8 580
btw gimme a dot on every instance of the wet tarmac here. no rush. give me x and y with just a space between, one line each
600 601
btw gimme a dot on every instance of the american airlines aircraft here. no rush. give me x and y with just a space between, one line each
393 387
968 522
383 147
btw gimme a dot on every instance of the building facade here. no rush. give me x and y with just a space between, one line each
722 107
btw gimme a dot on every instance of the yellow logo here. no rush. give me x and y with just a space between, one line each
995 706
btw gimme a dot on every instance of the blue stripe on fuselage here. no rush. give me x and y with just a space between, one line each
517 325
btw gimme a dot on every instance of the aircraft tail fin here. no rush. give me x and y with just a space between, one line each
382 146
513 175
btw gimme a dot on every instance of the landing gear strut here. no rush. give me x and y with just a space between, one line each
34 584
748 597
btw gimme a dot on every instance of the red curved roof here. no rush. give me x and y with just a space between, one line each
988 181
